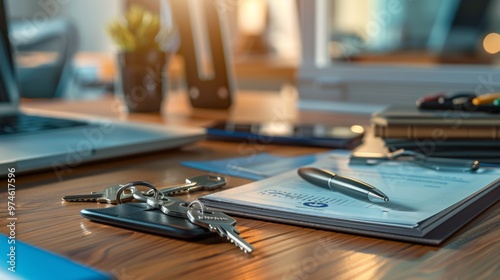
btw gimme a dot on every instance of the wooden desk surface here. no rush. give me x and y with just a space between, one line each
281 251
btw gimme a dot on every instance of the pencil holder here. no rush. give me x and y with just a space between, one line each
143 80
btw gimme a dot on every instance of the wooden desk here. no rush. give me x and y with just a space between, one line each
281 251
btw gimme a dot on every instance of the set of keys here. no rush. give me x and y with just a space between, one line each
163 201
215 221
108 195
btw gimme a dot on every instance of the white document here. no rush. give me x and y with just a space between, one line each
415 193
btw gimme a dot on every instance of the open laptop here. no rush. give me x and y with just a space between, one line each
29 142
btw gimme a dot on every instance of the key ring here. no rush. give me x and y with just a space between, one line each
133 184
197 202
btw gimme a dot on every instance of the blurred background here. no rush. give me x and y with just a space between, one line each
263 35
420 32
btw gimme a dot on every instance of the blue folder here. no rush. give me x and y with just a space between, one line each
23 261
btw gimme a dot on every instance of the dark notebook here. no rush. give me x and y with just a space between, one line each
412 123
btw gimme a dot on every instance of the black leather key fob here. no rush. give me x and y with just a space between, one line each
138 216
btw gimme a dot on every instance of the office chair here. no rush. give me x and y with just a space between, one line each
44 56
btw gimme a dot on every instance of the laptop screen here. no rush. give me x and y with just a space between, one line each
6 67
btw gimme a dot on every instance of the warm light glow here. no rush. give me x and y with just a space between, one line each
252 16
85 230
357 129
277 128
491 43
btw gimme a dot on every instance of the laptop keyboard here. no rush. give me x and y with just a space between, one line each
27 123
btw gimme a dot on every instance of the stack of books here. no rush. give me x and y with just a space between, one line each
446 133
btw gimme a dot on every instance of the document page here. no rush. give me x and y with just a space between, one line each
415 193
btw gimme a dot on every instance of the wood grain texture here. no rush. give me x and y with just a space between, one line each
281 251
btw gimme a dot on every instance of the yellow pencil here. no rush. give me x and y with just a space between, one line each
485 98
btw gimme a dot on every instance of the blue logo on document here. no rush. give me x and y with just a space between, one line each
315 204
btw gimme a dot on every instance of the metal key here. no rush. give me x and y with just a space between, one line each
221 223
176 209
203 182
108 195
156 203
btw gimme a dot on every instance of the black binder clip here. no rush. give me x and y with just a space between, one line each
435 163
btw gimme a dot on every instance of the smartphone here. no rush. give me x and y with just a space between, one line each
139 216
320 135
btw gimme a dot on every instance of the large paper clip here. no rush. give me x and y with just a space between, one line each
435 163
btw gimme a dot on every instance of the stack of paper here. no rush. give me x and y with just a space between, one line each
426 206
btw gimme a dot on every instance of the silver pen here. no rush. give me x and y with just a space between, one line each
348 186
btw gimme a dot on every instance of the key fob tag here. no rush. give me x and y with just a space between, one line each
138 216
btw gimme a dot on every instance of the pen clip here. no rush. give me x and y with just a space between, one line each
435 163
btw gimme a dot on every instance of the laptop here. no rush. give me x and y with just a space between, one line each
35 142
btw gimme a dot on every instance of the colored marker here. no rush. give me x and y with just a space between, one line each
485 98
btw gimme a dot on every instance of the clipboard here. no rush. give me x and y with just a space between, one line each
287 199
